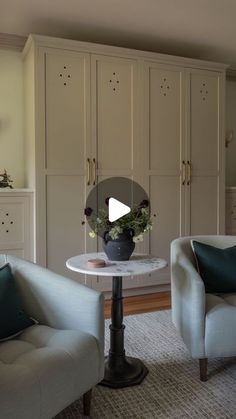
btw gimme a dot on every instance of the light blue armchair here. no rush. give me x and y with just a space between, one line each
206 322
51 364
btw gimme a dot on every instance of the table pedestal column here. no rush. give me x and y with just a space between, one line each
120 371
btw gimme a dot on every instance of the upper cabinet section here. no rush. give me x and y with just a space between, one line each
205 120
114 103
66 106
163 116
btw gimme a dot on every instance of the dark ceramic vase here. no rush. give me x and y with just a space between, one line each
120 248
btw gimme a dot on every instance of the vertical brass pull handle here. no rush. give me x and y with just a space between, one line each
189 172
183 172
94 171
88 172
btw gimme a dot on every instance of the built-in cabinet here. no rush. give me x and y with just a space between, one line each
230 151
230 214
16 223
94 112
183 152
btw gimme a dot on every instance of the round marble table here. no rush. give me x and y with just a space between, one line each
120 370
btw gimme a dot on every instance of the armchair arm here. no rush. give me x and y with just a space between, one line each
188 300
58 301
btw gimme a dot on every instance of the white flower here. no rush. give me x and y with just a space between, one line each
138 238
147 228
92 234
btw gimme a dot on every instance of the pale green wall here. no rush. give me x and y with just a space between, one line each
231 127
11 116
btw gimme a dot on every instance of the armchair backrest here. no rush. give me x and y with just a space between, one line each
183 244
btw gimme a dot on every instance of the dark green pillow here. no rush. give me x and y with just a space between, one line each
217 267
12 317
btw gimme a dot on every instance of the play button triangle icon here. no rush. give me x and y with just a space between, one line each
116 209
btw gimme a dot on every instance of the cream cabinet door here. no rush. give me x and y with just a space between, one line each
115 126
64 178
163 153
204 153
230 211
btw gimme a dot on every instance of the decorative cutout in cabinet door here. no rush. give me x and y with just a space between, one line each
204 91
7 222
114 81
165 87
65 75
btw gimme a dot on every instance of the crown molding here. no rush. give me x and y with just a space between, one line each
12 42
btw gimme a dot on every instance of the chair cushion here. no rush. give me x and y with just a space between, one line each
217 267
13 319
44 370
220 330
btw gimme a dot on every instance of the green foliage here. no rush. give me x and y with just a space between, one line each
138 220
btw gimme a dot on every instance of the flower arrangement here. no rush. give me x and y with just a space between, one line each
138 220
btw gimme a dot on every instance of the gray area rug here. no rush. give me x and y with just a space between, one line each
172 388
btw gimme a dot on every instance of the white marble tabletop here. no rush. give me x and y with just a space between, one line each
138 264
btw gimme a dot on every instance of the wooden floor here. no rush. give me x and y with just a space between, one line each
142 303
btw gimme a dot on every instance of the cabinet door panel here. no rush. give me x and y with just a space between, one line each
205 151
204 206
12 221
115 129
163 151
16 225
230 211
165 130
204 130
165 198
65 114
114 83
66 236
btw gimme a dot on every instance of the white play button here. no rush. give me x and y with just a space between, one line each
116 209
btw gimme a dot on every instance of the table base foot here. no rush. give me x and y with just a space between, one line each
123 372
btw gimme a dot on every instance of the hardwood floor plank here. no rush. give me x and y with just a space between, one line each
142 303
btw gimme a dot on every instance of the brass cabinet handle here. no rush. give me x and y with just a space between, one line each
94 171
189 172
88 171
183 172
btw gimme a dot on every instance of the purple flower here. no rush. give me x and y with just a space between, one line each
88 211
144 203
107 200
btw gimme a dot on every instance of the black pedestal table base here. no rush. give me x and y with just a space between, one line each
128 372
120 370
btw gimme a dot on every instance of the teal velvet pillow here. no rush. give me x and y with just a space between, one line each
12 317
217 267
